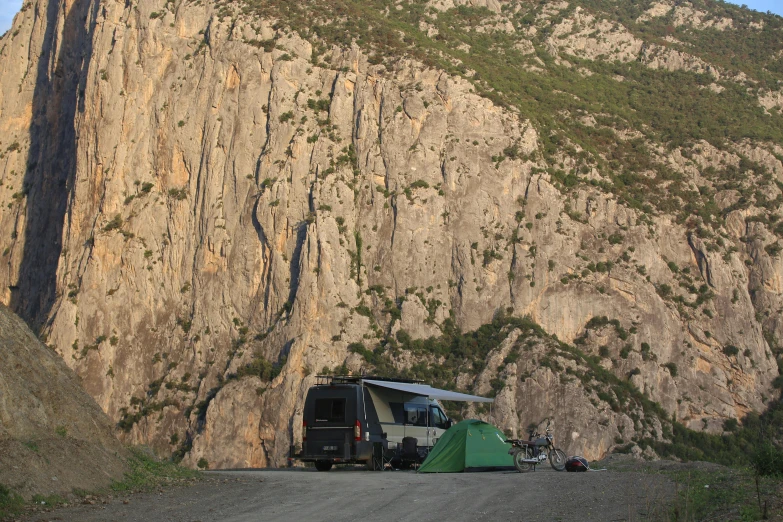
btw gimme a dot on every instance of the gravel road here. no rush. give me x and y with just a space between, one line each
348 495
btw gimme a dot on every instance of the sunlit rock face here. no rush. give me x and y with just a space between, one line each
201 211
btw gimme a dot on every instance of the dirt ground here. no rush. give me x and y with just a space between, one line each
345 495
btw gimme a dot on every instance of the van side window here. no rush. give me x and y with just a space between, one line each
398 413
330 410
415 414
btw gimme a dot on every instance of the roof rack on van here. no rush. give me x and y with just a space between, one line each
321 380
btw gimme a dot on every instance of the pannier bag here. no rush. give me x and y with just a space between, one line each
577 463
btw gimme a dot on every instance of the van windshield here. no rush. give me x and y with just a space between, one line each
415 414
330 410
438 418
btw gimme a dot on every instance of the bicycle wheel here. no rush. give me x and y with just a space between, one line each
519 456
557 459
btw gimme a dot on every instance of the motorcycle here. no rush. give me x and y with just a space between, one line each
529 453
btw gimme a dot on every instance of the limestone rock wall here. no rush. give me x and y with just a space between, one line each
180 198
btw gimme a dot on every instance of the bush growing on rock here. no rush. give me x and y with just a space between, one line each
114 224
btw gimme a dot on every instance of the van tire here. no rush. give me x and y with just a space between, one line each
323 465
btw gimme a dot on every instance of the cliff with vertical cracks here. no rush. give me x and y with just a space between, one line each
201 209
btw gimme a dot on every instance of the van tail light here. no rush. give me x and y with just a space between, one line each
304 430
357 431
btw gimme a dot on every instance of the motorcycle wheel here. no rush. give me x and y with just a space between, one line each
519 455
557 459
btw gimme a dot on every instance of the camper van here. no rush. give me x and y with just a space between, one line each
349 420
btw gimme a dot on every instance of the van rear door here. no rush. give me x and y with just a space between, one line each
332 424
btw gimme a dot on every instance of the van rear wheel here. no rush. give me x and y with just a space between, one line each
323 465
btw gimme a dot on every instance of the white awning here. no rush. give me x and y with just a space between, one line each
425 390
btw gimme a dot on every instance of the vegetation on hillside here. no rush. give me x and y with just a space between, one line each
756 442
10 502
674 109
145 472
618 120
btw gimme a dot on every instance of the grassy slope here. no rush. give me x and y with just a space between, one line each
145 473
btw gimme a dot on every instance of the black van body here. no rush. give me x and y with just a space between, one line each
340 423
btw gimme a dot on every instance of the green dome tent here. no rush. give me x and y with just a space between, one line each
471 445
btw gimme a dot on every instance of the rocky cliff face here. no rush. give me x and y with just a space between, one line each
53 436
201 208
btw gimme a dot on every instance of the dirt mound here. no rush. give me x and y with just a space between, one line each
54 438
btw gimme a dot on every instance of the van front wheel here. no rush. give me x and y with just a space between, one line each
323 465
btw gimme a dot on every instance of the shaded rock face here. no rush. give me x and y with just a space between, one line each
180 201
53 436
544 387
